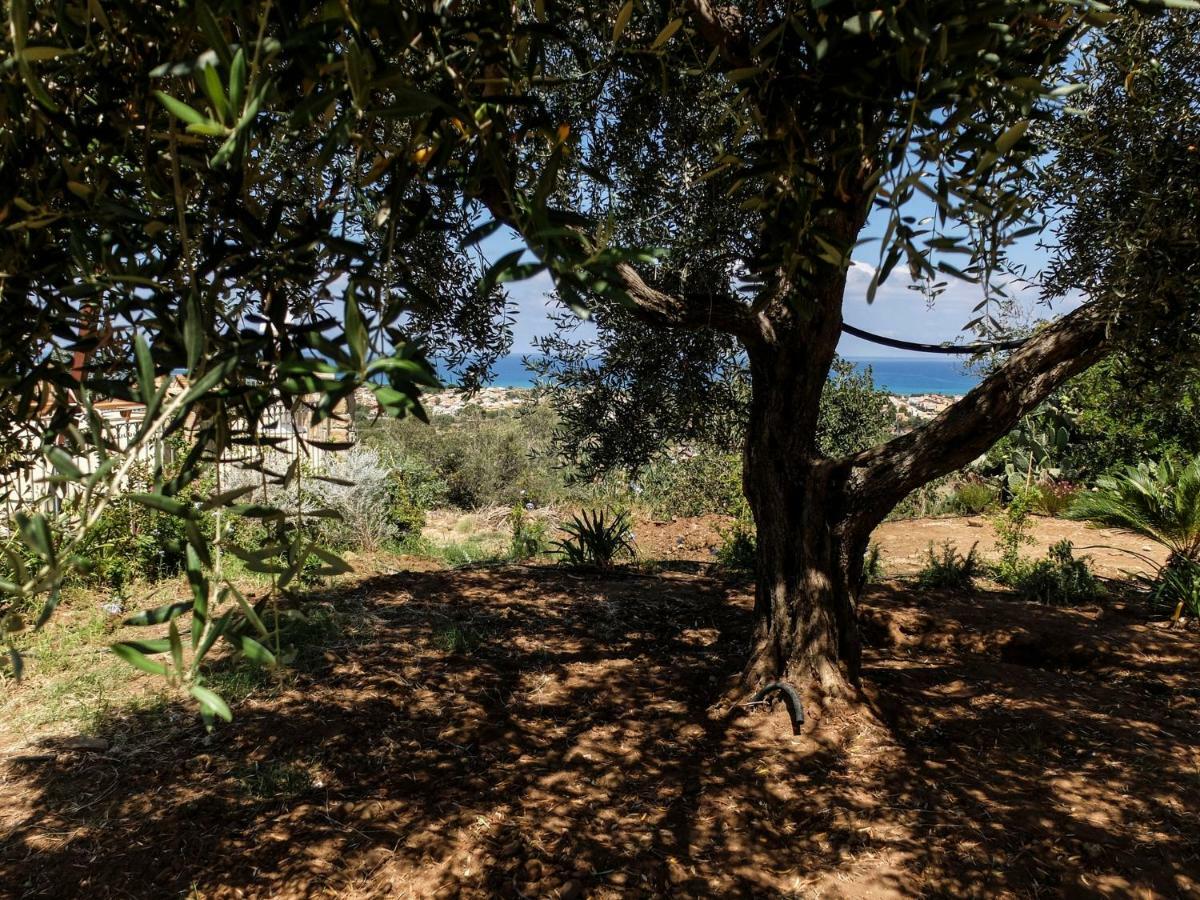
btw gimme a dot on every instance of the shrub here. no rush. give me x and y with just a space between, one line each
1053 498
1012 532
358 488
131 541
973 497
1177 587
872 564
707 482
594 538
1160 502
528 534
475 459
739 548
950 569
1059 580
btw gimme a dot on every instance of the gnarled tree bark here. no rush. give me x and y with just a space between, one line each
814 515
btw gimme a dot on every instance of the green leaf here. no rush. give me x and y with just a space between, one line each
193 331
48 609
176 647
227 497
257 653
334 565
216 93
497 269
168 505
154 645
207 129
61 460
145 364
35 532
211 702
355 329
621 21
667 33
158 614
237 80
249 612
135 657
180 110
214 630
1006 141
36 54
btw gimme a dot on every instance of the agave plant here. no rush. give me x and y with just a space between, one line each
1161 502
595 538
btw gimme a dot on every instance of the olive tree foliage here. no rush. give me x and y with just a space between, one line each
1126 179
270 196
718 164
254 196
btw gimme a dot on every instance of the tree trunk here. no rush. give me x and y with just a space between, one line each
809 558
809 571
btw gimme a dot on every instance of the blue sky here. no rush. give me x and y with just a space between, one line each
897 312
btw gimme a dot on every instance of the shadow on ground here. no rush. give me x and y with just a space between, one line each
525 732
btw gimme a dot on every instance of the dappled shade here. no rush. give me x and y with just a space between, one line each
526 731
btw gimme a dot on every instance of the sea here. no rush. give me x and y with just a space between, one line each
899 376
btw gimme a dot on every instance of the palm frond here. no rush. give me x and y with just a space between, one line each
1160 502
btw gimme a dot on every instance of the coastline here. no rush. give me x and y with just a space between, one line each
910 409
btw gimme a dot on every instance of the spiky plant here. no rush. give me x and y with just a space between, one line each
1160 502
595 539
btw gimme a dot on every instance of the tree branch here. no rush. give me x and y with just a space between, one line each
656 308
882 476
719 26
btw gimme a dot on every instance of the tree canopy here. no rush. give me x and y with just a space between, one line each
284 200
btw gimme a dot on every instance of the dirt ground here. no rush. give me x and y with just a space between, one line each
525 731
904 544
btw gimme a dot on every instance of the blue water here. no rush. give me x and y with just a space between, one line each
936 375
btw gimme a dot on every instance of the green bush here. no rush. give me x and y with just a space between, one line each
1012 533
528 535
872 570
706 482
475 459
950 569
739 547
596 539
132 542
972 497
1053 498
1059 580
1177 587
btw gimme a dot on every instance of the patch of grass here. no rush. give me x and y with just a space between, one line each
950 569
275 780
476 550
458 639
70 677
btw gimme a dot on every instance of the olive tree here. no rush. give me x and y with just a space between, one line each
282 198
